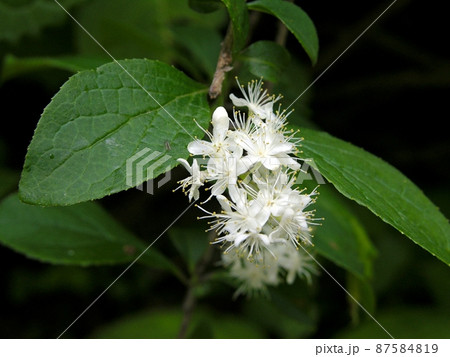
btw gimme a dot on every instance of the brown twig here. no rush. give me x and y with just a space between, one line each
188 308
282 33
223 64
190 299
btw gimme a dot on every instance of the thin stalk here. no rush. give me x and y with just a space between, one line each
223 64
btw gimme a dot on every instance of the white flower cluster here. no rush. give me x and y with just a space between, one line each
284 262
250 163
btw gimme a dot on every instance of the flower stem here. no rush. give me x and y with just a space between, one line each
223 64
188 308
190 300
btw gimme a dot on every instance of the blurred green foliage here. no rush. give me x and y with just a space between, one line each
405 288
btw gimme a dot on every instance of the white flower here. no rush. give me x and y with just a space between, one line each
295 262
242 223
271 149
195 180
253 278
219 142
286 263
284 197
257 101
287 207
224 171
294 226
251 169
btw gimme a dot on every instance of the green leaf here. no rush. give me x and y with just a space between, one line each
83 234
341 238
380 187
296 21
19 18
102 118
202 43
13 66
266 59
191 243
140 30
125 30
238 12
297 75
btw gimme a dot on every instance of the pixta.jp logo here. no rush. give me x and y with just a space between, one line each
148 163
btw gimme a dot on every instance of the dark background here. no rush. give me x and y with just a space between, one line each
389 93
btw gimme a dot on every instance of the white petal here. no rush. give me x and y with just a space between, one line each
196 178
238 102
259 208
185 164
215 166
290 276
277 234
224 203
286 160
237 195
293 165
265 239
239 239
253 225
245 141
247 163
263 216
288 214
278 210
303 224
305 200
281 148
219 187
219 113
235 149
220 122
200 147
257 119
271 163
261 111
194 193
